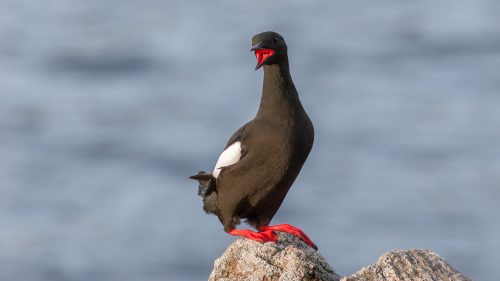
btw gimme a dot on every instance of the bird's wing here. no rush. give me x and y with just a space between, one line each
232 153
228 157
236 136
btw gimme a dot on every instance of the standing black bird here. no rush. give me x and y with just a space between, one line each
262 159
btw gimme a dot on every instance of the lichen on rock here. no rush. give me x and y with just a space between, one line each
291 259
406 265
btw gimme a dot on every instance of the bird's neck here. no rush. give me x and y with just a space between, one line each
279 96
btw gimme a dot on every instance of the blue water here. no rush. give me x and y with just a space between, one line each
107 106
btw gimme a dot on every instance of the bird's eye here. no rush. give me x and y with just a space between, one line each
276 40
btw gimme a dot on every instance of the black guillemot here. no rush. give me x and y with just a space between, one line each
262 159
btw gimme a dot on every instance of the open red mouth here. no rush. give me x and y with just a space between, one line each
262 55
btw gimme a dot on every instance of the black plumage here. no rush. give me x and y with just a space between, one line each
274 146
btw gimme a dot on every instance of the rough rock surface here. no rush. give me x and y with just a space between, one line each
406 265
291 259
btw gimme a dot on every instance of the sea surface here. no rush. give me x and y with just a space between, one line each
106 107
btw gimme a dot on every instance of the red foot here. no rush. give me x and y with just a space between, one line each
262 236
290 229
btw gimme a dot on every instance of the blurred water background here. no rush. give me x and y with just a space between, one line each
107 106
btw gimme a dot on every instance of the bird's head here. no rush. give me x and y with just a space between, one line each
269 47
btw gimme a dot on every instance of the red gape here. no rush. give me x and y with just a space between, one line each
263 54
266 233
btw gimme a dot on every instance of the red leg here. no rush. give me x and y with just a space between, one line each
262 236
290 229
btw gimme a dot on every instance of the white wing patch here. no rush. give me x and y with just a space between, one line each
231 155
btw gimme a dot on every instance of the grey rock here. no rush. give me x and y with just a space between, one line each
291 259
406 265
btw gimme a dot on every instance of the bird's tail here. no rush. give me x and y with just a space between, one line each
206 183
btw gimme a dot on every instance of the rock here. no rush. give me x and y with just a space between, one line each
402 265
291 259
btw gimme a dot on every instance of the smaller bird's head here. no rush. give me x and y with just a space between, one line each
269 47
